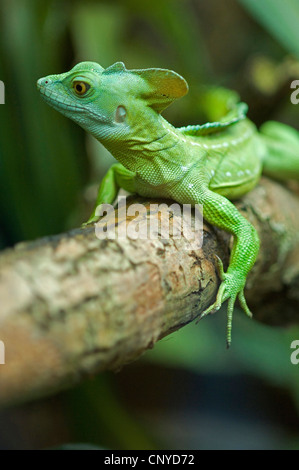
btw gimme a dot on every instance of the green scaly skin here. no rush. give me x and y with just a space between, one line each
209 164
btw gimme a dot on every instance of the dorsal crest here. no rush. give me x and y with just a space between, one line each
232 117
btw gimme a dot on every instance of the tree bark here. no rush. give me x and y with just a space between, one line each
74 305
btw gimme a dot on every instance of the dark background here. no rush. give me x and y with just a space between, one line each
189 392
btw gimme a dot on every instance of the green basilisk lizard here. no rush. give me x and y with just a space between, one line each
207 164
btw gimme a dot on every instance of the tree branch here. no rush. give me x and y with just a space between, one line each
73 305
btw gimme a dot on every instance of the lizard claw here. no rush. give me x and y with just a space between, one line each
219 266
217 304
92 220
231 288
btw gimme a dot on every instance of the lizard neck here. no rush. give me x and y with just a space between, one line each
157 144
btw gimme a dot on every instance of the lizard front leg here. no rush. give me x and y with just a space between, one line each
116 177
220 212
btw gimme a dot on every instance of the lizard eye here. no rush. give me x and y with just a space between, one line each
120 114
80 87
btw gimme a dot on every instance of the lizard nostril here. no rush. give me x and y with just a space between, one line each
42 82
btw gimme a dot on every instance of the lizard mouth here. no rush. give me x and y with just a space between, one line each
65 104
55 100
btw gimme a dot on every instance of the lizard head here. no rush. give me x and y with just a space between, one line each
113 104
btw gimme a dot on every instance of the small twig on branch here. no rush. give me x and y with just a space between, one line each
73 305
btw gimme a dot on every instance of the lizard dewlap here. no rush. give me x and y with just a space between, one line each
208 164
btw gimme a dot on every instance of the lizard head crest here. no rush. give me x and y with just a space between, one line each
113 103
162 86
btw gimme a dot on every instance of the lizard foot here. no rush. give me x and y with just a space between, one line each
231 288
91 220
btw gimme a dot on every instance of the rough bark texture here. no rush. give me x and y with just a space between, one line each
73 305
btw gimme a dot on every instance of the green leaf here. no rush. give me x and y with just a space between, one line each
280 18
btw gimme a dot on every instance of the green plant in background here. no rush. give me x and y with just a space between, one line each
280 18
42 160
45 164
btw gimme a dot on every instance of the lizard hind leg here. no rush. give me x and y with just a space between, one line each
281 159
220 212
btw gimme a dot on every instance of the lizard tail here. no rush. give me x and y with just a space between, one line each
281 160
